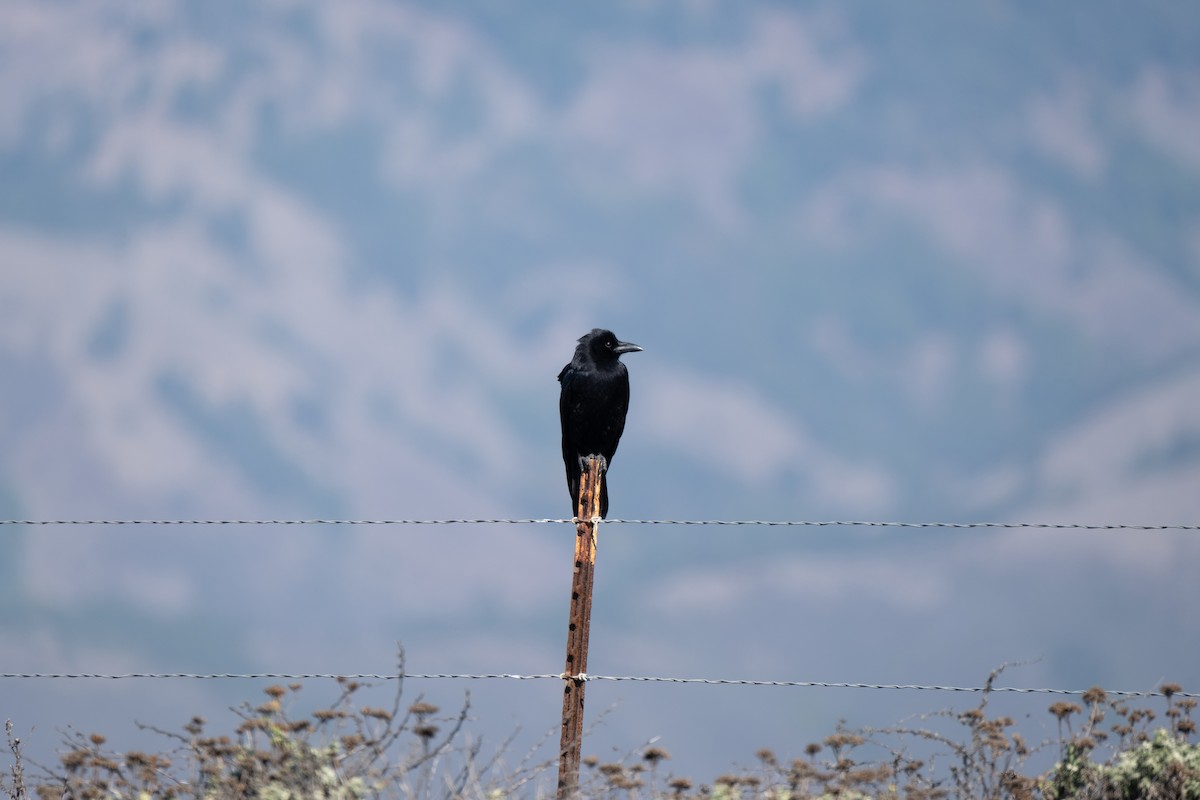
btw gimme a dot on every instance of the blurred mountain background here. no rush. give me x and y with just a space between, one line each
915 262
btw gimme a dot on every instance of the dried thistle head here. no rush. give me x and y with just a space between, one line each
107 764
1062 709
422 709
1018 787
870 774
326 714
275 691
1095 696
655 755
74 759
680 785
270 707
971 716
1138 714
835 741
766 756
255 724
377 713
612 768
1169 689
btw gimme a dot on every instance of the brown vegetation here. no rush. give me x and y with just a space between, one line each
1107 749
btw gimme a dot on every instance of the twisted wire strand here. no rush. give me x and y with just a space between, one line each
582 677
565 521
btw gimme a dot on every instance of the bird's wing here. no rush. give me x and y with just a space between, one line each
565 399
565 402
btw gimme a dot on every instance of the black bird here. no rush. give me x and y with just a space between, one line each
592 406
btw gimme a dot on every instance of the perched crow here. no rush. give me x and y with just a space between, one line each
592 406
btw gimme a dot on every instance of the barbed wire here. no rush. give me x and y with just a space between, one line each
295 676
558 676
566 521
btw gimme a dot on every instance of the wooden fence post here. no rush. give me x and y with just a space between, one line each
578 628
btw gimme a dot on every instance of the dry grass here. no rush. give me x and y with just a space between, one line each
1107 750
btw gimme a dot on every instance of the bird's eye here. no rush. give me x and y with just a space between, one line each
609 344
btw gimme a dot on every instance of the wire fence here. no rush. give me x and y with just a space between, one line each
587 677
296 676
564 521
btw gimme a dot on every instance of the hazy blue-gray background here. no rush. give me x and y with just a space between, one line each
921 261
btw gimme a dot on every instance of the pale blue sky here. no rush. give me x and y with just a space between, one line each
920 262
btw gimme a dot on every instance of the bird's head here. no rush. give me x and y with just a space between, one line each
604 345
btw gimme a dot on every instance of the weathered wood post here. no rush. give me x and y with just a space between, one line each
578 627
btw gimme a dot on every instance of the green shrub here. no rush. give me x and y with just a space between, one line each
1164 767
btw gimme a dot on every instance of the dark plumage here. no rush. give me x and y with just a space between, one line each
592 407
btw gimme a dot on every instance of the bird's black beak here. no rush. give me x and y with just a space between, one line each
626 347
